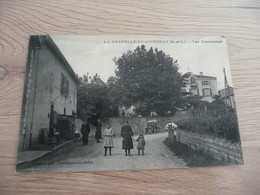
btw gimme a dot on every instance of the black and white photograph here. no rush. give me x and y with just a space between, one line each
127 102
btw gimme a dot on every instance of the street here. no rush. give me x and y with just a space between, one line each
76 157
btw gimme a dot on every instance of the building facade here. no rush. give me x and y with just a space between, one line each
227 95
50 92
201 85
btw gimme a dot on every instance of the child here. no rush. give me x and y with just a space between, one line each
141 144
108 139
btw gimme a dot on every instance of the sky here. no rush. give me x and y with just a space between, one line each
94 54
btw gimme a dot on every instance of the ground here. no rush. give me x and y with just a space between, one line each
77 157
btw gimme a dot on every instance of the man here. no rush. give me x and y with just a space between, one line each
85 129
127 133
170 126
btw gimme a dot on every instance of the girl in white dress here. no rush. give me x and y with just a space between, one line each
108 139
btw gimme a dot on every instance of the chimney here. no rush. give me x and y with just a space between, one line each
201 73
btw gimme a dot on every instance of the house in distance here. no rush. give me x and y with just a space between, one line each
50 94
201 85
227 94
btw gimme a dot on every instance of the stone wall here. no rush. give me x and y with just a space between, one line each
220 149
138 124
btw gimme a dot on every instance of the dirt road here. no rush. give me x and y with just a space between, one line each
76 157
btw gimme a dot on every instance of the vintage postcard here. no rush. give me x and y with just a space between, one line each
125 102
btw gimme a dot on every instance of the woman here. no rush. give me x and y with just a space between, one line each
127 133
108 139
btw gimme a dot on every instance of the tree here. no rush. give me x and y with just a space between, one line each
149 80
93 99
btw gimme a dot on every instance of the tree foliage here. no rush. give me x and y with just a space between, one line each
93 99
147 79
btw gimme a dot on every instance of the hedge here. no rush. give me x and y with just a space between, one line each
225 126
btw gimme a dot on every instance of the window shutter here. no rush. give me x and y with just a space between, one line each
62 84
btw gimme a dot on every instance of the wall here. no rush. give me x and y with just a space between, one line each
228 96
220 149
45 81
29 91
138 124
213 85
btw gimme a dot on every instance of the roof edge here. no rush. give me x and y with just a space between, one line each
39 40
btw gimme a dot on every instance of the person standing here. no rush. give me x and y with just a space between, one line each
98 133
126 134
85 129
108 139
170 126
141 144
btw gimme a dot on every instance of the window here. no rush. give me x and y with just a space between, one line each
207 92
192 80
64 87
205 82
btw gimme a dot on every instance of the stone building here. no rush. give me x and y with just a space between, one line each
227 95
202 85
50 93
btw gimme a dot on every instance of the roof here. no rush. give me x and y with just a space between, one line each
188 74
39 40
204 76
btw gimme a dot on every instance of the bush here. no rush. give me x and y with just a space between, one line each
225 126
197 124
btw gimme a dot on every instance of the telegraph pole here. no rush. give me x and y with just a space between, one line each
225 78
226 89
